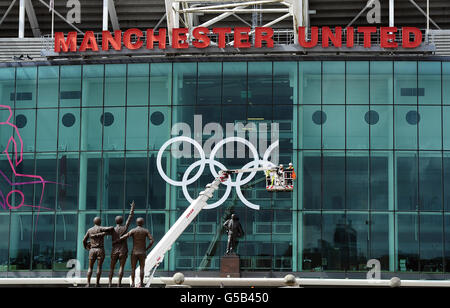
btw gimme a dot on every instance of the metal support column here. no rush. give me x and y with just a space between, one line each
105 15
391 13
22 19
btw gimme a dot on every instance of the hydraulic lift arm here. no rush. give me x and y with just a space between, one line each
156 256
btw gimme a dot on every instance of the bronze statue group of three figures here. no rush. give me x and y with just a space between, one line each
94 242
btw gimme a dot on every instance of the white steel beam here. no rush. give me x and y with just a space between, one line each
391 13
105 15
60 16
172 17
224 6
113 15
32 18
239 11
220 17
22 19
7 11
297 16
426 15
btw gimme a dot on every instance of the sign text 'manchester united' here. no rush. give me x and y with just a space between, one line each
134 39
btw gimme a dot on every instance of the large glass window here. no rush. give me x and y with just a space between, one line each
431 243
357 178
406 120
4 241
20 241
357 82
137 84
381 180
68 181
310 82
161 84
48 86
25 87
380 240
446 83
333 180
429 89
184 83
381 126
430 131
234 83
93 85
312 178
408 242
7 86
43 241
407 181
65 240
137 128
285 83
69 129
312 242
136 179
92 129
333 130
115 84
209 84
381 84
333 87
46 168
260 83
405 82
70 85
358 120
46 130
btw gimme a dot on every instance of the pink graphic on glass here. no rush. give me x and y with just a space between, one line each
20 179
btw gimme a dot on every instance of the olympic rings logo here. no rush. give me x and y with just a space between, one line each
257 162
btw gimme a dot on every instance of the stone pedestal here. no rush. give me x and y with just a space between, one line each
229 266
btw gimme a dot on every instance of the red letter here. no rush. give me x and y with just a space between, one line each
302 37
160 38
367 35
65 45
127 39
259 37
221 32
242 40
116 42
89 42
406 31
350 37
327 35
201 38
387 37
179 34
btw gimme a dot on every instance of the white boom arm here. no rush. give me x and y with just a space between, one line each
156 256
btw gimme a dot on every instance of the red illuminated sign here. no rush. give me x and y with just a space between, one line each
134 39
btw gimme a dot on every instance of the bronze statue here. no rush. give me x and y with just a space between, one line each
234 230
120 248
96 248
139 253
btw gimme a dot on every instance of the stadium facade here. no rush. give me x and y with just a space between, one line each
367 129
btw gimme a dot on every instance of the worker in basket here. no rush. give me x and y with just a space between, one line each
290 175
270 178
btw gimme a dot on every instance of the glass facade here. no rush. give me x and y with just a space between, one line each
370 141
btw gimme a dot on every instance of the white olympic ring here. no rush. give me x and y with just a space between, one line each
212 163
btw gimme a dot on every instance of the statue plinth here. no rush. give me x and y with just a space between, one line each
229 266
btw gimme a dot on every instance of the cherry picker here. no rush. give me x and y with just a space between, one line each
280 179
